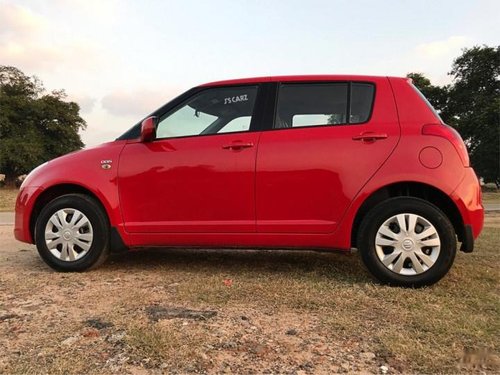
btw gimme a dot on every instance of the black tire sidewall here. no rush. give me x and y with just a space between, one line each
383 211
100 227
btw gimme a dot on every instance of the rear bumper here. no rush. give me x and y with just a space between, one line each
467 197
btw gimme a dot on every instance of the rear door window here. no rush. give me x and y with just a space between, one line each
323 104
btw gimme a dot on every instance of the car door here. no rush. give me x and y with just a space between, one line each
327 140
198 175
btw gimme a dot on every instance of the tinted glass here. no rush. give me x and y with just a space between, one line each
211 111
311 105
361 102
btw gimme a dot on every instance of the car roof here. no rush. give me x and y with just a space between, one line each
298 78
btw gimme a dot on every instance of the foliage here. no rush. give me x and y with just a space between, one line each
475 105
438 96
35 126
471 104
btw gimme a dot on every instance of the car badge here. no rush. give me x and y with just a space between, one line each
106 164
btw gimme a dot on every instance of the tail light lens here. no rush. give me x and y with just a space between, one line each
445 131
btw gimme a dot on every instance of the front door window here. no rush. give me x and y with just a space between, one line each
217 110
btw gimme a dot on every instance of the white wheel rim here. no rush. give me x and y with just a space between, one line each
69 234
407 244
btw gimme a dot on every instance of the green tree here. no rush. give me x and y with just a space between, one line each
471 104
475 105
438 96
35 126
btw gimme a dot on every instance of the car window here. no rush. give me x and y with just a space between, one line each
239 124
361 102
311 104
320 104
216 110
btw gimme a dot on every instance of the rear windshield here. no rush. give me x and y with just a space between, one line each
427 102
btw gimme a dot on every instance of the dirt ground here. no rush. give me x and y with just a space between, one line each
195 311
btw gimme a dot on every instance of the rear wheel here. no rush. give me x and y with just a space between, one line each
407 242
72 233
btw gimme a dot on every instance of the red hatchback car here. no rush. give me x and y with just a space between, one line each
308 162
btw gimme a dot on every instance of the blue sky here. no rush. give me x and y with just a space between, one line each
122 59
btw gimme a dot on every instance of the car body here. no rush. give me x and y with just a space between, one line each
280 162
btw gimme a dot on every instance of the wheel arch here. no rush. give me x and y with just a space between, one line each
58 190
410 189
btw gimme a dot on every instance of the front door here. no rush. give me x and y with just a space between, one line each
198 175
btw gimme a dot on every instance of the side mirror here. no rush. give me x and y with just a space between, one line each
148 129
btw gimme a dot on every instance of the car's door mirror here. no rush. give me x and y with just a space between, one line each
148 129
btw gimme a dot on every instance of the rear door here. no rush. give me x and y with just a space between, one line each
328 139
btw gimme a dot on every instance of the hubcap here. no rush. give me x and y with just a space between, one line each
68 234
407 244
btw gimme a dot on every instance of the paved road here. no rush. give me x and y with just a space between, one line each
7 218
492 206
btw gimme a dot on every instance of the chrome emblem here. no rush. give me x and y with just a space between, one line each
106 164
408 244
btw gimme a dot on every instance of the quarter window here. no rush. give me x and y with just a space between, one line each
320 104
216 110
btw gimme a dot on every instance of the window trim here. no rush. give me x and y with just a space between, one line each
348 103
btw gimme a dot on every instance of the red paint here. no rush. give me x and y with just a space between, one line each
297 187
430 157
192 184
451 135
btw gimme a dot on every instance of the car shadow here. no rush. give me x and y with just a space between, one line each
331 265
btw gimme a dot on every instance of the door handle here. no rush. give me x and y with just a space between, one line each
237 146
369 137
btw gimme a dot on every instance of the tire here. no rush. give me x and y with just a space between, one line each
72 233
419 255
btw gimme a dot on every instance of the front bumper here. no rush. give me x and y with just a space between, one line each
25 204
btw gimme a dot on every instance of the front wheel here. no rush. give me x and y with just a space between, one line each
407 242
72 233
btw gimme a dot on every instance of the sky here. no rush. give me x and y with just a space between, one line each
120 60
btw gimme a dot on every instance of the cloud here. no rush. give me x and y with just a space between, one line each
86 103
94 8
442 48
29 42
19 22
33 56
435 58
137 103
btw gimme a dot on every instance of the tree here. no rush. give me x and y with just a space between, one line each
475 105
438 96
35 126
471 104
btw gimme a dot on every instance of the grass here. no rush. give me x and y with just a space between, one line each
426 330
336 308
171 346
338 311
491 197
8 199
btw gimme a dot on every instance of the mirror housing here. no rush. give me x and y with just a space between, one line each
148 129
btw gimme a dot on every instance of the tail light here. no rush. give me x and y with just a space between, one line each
445 131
